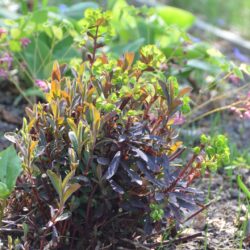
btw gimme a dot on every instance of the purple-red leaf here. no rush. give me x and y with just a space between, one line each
132 174
117 188
148 175
152 163
103 161
113 166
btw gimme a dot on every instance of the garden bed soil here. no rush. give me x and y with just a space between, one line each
221 224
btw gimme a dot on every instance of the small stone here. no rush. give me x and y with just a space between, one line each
234 194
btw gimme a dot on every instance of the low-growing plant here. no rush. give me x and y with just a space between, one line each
102 151
9 171
217 151
35 39
240 158
192 61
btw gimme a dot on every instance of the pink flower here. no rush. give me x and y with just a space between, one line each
25 41
179 119
2 31
3 73
6 59
41 84
247 115
234 79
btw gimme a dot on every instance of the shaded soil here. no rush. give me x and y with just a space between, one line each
10 115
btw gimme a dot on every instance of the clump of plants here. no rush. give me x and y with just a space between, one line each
101 162
32 42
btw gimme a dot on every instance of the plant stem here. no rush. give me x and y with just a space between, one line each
204 104
21 92
3 204
214 111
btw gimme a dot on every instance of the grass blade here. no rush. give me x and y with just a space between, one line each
243 187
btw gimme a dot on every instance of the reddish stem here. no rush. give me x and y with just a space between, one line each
89 203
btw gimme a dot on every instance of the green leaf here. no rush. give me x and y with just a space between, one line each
39 16
73 139
15 46
245 68
25 229
35 5
72 188
63 216
111 3
72 125
58 32
67 179
238 73
243 187
214 52
56 181
4 191
64 50
37 56
123 21
76 10
132 46
202 65
44 3
179 17
24 7
10 169
15 33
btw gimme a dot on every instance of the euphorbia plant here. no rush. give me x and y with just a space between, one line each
105 142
